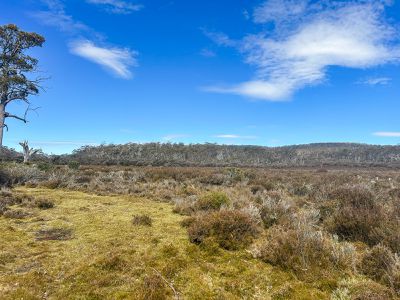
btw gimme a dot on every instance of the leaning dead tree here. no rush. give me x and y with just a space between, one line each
28 152
15 65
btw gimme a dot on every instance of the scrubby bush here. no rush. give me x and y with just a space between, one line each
300 246
212 201
44 166
305 252
358 215
5 179
8 199
44 203
16 214
274 210
370 290
73 165
51 183
382 265
153 288
55 234
231 229
185 206
142 220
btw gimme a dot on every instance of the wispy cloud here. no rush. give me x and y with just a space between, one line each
62 143
171 137
235 136
207 53
117 6
306 40
376 81
116 60
220 38
279 10
56 16
387 133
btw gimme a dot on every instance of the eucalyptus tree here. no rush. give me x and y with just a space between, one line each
15 67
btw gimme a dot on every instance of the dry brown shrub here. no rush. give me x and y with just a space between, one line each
51 184
153 288
382 265
142 220
357 216
231 229
44 203
370 291
16 214
58 234
304 249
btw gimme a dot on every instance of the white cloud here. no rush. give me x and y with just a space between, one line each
117 6
387 133
171 137
235 136
376 81
308 39
278 10
116 60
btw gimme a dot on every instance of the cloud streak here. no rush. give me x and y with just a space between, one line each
387 133
235 136
376 81
306 40
115 60
117 6
56 16
63 143
171 137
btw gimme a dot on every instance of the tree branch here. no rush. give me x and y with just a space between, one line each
23 119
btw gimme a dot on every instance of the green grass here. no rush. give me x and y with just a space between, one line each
109 258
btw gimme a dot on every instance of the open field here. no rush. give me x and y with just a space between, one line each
95 232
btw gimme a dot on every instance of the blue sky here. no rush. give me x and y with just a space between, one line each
233 72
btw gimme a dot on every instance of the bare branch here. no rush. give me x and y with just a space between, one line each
23 119
176 293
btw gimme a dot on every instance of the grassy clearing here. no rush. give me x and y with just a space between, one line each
105 256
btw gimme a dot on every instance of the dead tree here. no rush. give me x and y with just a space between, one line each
15 65
28 152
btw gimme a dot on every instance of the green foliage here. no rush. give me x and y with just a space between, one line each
229 228
44 166
73 165
213 201
15 63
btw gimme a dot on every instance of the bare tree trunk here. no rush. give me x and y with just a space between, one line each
2 121
28 152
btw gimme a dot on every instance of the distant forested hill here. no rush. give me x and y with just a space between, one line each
157 154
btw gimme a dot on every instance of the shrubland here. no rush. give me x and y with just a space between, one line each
276 233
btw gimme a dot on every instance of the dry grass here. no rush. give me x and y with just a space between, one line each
290 234
107 259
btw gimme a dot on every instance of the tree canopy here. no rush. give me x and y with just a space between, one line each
15 65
